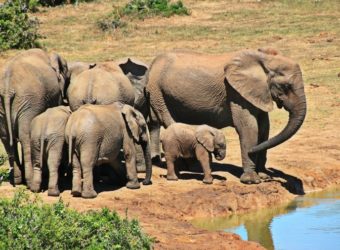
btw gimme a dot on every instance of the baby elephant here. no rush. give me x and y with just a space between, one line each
186 141
96 133
47 140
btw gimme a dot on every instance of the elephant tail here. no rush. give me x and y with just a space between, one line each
7 95
42 150
70 150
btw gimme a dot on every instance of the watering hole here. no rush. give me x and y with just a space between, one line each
308 222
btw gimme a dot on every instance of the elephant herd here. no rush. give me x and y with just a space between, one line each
93 113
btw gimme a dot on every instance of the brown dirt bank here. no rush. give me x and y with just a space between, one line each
166 208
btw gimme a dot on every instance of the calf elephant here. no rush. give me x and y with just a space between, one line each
47 143
30 83
234 89
96 133
187 141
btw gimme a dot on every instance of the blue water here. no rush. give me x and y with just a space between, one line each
309 222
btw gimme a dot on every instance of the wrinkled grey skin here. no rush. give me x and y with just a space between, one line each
47 142
95 134
106 83
30 83
234 89
181 140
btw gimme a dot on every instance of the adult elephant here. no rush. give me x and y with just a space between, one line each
106 82
30 83
235 89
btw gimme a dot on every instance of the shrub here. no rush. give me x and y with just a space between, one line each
111 22
141 9
17 30
27 223
149 8
4 170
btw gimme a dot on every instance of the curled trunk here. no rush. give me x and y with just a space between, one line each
296 117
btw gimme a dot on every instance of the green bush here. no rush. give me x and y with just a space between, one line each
17 30
4 170
149 8
27 223
140 9
111 22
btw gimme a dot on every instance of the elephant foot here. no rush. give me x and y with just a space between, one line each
208 180
147 182
264 176
133 184
172 177
17 180
35 188
53 192
250 178
89 194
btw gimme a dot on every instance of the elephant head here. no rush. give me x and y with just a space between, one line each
60 66
262 78
138 129
212 140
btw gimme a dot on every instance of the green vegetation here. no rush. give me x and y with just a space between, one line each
141 9
17 30
27 223
149 8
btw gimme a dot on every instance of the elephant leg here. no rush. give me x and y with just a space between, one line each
246 126
171 170
130 162
154 128
204 158
37 167
140 162
13 159
87 162
76 179
53 163
27 159
264 126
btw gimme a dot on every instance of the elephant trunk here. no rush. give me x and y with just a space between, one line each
148 163
297 114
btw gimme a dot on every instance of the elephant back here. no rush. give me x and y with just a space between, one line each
99 86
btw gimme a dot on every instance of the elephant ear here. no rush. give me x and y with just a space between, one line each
205 137
59 65
130 117
248 75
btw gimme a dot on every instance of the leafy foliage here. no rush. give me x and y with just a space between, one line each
141 9
4 170
148 8
17 30
27 223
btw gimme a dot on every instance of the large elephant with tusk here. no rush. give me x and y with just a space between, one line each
233 89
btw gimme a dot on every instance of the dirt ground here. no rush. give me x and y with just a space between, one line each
165 208
310 161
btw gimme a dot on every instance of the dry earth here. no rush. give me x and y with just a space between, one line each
309 161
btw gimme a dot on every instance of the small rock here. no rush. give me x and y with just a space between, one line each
329 40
